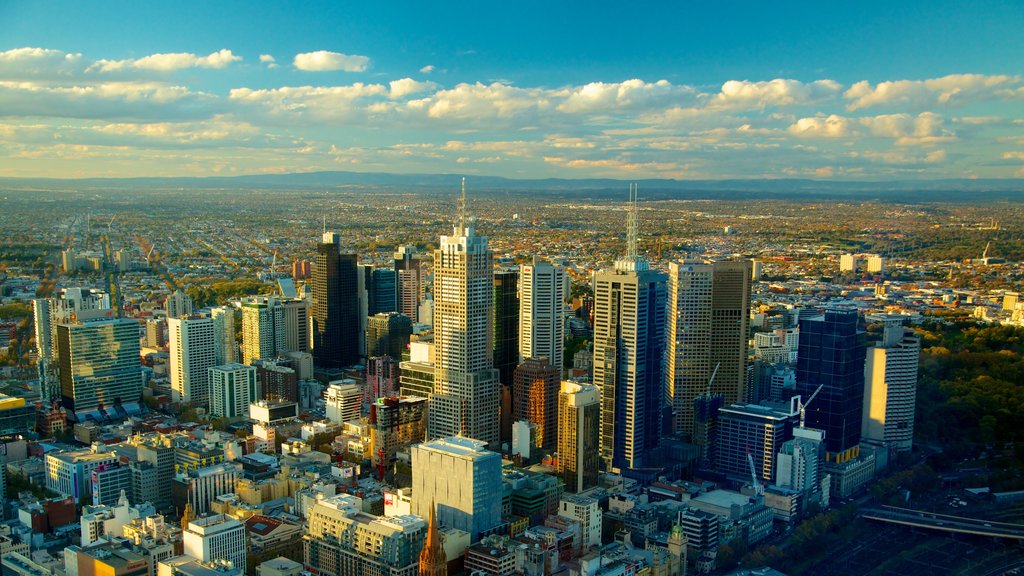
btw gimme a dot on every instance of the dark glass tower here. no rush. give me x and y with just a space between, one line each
506 323
384 291
335 307
387 334
833 349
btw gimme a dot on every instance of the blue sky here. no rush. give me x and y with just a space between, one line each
683 90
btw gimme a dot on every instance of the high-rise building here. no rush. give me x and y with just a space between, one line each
178 304
730 323
799 461
752 429
535 398
890 390
344 401
506 323
198 486
832 353
417 373
383 291
273 326
224 343
276 380
688 365
387 334
542 291
629 340
848 263
99 364
155 337
342 540
579 419
463 479
73 305
465 398
409 285
874 263
335 308
587 511
192 354
232 388
396 423
216 537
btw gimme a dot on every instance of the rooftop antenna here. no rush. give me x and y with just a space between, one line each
631 225
325 223
462 207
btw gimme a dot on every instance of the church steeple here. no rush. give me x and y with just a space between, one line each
432 559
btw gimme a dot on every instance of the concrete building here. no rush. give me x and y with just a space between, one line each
848 263
579 421
799 465
279 566
409 284
890 387
535 386
216 537
396 424
754 429
200 486
342 540
463 479
192 354
344 401
587 511
272 326
542 292
688 364
874 263
232 388
465 397
224 343
70 473
178 304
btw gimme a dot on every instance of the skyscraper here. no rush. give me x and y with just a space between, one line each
890 389
579 407
465 398
506 323
832 352
335 308
535 398
273 326
542 288
232 387
463 479
73 305
99 364
387 334
192 354
225 344
629 340
178 304
384 297
730 322
408 281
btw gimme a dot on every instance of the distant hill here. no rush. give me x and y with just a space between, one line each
947 189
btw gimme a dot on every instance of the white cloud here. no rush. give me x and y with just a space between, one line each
22 63
323 61
317 102
925 128
427 69
169 62
610 97
1015 155
481 101
952 90
269 60
777 92
110 100
406 86
832 126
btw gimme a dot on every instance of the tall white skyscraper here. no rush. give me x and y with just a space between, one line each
192 354
890 386
226 346
542 287
629 340
465 398
688 353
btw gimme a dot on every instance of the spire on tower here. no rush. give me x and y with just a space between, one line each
433 561
462 207
632 253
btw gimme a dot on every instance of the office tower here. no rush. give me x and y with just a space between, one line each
463 479
730 323
705 427
99 364
535 398
159 453
755 430
70 473
833 349
198 486
506 323
224 342
396 423
387 334
799 461
688 365
416 376
409 284
890 390
111 483
344 401
382 378
384 292
587 511
542 291
232 388
216 537
335 308
155 333
629 340
579 419
465 398
192 354
273 326
178 304
342 540
73 305
433 561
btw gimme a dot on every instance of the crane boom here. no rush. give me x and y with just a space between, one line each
712 379
803 405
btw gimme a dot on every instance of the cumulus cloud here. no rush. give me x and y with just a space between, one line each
325 61
406 86
832 126
777 92
24 63
110 100
317 102
482 101
609 97
269 60
169 62
952 90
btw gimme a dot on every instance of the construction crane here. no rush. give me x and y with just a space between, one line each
754 478
801 406
712 379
